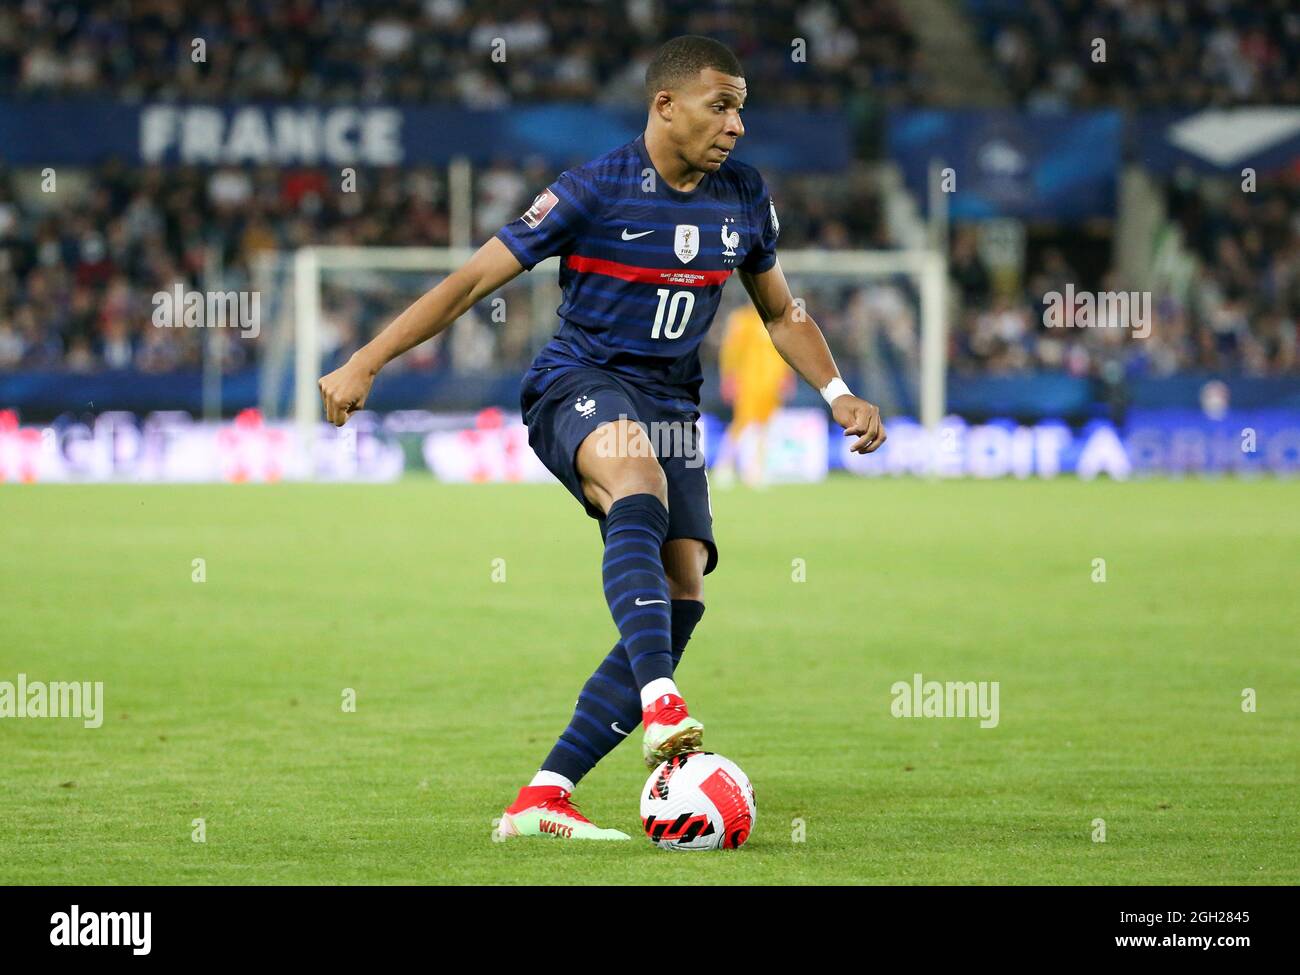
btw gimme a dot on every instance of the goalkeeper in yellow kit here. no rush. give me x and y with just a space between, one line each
754 381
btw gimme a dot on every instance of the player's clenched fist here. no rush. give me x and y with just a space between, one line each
345 390
859 419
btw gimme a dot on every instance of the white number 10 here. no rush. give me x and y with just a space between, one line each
677 318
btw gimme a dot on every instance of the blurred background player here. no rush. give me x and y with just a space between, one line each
755 380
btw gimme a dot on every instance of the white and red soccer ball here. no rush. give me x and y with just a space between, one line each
698 801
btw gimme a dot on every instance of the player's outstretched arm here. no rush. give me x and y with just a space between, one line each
801 343
344 390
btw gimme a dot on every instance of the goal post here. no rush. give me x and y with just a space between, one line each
926 270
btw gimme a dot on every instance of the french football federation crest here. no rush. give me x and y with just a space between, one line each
585 406
729 240
687 242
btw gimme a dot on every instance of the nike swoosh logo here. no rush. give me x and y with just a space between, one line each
627 236
614 725
650 602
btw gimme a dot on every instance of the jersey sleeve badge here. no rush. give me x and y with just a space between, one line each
542 205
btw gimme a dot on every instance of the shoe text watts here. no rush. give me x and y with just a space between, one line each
559 829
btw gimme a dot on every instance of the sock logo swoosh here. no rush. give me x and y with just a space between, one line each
649 602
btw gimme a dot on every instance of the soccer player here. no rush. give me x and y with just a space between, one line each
648 234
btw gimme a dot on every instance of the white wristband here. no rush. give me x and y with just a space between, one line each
836 387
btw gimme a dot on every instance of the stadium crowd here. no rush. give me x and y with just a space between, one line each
1156 54
477 53
1239 312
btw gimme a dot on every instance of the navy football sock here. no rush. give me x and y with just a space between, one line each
636 587
609 707
686 614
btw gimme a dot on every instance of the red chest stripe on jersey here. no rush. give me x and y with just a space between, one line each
647 275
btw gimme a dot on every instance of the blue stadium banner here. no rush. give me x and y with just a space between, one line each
1012 164
1218 140
85 132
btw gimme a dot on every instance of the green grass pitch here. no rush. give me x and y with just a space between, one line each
1119 700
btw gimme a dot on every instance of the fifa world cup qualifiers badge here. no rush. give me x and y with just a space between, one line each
542 205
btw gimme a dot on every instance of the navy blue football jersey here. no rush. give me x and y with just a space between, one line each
642 264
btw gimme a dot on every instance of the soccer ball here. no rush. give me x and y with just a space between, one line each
698 801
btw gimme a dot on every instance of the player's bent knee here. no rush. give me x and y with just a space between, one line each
684 563
607 477
639 477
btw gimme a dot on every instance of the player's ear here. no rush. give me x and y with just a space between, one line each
663 105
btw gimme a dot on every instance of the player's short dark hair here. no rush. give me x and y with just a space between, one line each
683 58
